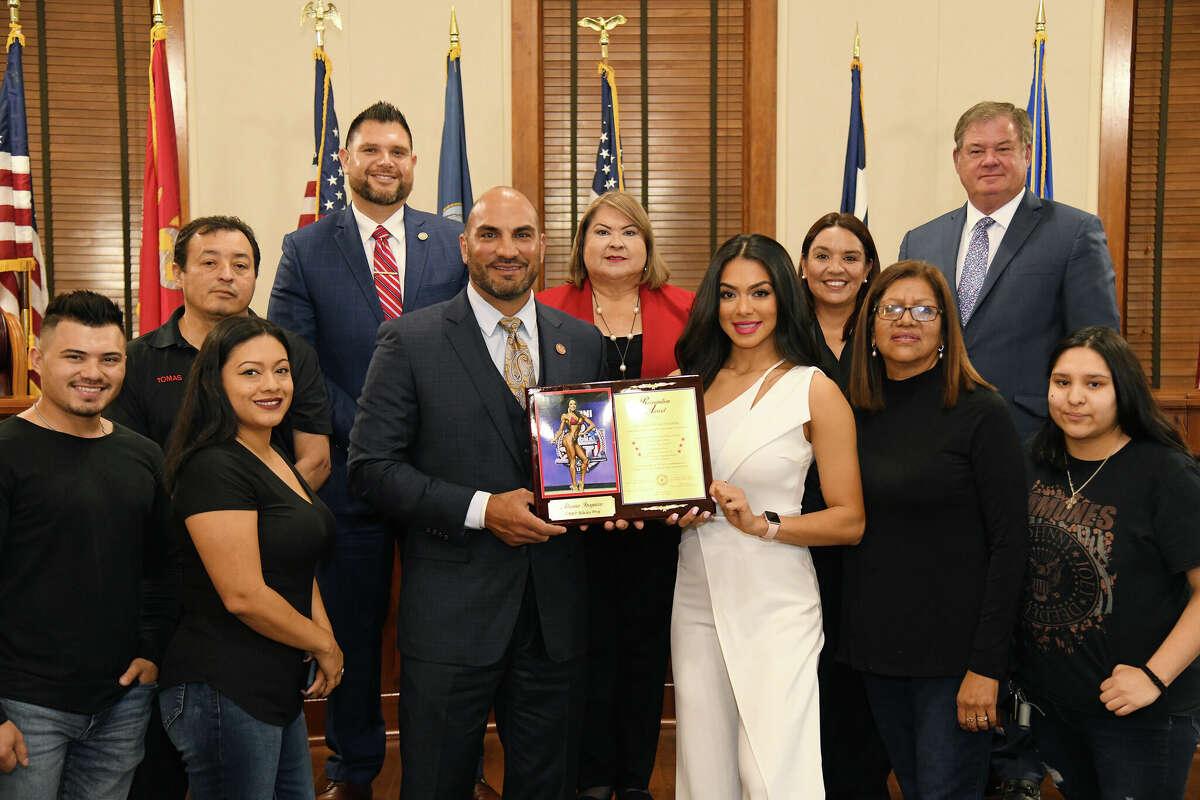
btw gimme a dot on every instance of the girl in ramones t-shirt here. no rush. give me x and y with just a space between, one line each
1110 629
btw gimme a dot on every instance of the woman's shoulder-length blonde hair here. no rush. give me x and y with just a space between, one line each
867 371
656 272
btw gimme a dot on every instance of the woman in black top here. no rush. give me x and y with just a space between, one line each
931 593
235 672
838 261
1110 628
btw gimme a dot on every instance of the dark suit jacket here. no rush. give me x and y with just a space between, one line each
436 422
324 292
1051 275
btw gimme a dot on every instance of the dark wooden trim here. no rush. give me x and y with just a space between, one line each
126 183
1115 97
46 228
527 123
714 41
759 135
177 71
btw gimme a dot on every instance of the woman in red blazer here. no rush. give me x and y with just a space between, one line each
618 281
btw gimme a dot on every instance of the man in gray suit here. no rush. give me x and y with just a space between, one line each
491 607
1027 271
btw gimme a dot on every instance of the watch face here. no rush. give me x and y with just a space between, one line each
771 517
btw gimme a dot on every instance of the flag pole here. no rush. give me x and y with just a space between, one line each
603 25
319 11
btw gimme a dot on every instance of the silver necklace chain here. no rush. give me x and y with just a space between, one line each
49 425
1071 501
612 337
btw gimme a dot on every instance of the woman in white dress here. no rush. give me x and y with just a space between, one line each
746 624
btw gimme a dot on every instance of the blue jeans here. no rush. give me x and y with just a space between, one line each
932 757
229 753
1109 757
84 756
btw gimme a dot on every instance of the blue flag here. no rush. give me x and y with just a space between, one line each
1040 178
454 176
854 181
325 193
610 175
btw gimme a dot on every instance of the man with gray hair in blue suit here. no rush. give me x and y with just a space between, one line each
1027 270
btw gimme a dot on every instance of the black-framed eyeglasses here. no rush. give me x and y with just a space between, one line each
918 313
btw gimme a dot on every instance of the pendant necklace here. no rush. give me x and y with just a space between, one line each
612 337
1071 501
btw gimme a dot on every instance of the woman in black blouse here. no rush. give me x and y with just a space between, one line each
1110 629
838 261
235 673
931 593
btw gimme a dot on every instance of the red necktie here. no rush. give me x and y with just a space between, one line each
387 282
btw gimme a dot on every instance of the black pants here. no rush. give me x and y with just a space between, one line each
444 710
854 761
631 582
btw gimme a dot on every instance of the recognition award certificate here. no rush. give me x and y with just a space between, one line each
619 449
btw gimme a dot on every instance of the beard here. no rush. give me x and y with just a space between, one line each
362 188
499 288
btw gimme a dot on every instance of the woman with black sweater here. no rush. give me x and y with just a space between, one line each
931 593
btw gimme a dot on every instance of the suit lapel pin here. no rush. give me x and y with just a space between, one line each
558 348
422 236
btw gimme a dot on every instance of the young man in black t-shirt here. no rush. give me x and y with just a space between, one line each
82 545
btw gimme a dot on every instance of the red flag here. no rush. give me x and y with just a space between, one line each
158 292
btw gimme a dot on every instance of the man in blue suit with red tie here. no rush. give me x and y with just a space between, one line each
338 280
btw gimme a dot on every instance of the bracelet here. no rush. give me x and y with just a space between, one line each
1162 687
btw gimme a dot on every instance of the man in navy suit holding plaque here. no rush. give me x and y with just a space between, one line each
492 608
338 280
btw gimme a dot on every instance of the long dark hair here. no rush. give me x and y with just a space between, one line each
1138 413
703 348
867 371
206 417
856 226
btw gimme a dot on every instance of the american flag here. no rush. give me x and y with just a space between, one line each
325 192
609 174
20 249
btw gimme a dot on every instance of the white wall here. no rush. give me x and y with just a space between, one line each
924 63
250 99
250 85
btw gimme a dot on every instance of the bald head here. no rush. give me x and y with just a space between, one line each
502 199
503 247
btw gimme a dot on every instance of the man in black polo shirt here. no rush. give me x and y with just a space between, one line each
216 259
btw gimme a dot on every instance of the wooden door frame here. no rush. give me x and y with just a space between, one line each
1115 99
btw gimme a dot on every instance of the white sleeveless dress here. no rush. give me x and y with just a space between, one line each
746 623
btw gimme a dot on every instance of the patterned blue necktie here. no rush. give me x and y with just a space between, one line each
974 269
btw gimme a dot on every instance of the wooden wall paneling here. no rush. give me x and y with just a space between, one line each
760 102
1114 136
527 100
1162 326
672 164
